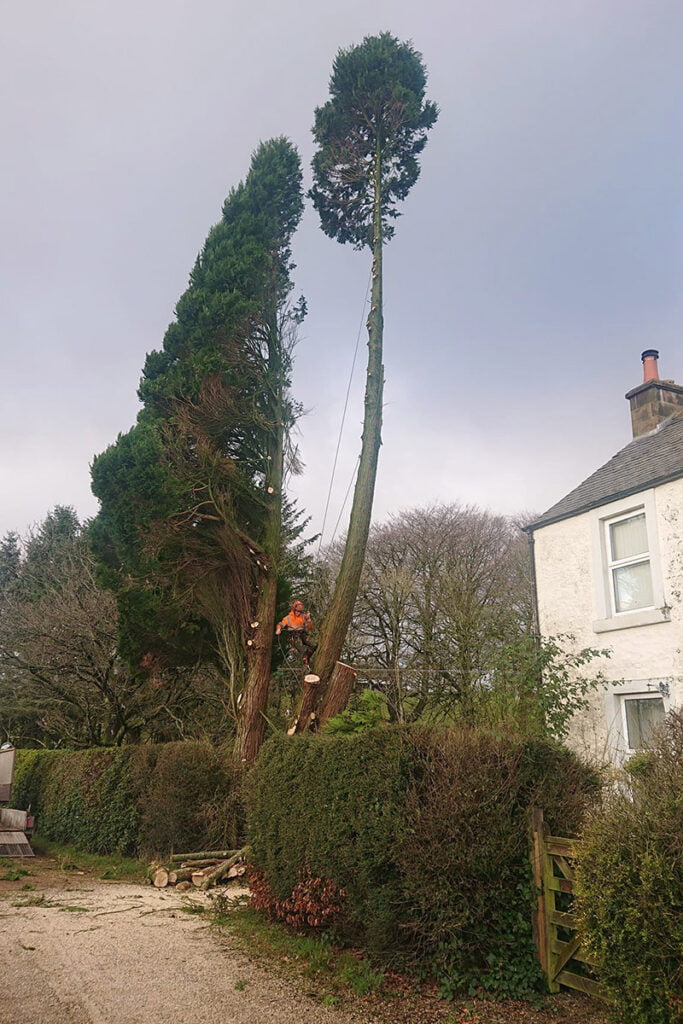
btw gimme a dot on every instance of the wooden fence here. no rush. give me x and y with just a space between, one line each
560 950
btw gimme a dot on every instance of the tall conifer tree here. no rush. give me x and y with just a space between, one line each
190 529
369 135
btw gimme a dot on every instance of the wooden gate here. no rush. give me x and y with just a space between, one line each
555 929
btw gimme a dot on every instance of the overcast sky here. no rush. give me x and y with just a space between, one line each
539 253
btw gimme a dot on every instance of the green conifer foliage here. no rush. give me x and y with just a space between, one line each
369 135
190 527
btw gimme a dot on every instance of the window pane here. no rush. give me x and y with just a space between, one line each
643 715
628 538
632 587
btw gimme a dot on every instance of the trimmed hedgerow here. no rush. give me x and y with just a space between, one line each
465 858
131 800
426 832
334 807
630 885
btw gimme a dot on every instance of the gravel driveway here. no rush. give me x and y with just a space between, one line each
112 953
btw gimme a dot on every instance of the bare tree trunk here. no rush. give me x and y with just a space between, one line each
308 702
338 692
252 723
338 618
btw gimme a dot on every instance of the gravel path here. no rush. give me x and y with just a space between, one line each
111 953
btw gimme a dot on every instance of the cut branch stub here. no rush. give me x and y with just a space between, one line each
338 692
308 702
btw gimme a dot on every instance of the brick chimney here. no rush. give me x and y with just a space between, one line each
654 400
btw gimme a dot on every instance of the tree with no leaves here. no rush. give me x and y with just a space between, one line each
369 135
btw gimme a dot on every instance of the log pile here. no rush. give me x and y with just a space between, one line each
202 870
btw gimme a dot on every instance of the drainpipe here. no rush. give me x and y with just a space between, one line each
534 589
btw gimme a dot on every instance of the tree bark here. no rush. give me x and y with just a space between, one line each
308 702
202 855
252 724
336 623
338 692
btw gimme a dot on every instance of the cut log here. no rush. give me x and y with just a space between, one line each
199 876
208 862
338 692
308 702
180 875
160 880
222 869
183 886
202 855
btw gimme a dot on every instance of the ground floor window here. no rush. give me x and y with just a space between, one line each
642 715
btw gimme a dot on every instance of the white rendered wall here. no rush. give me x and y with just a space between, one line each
645 658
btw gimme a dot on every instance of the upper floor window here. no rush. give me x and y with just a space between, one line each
629 563
627 574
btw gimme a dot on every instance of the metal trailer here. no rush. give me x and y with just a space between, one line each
16 827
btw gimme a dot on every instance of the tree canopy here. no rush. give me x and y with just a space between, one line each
190 528
369 135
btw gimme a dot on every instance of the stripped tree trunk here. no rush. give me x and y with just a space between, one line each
338 618
252 723
338 692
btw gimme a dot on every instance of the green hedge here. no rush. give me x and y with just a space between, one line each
132 800
427 832
630 885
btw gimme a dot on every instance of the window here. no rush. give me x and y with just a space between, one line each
627 577
642 715
629 563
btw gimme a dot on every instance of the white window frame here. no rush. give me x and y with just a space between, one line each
615 709
619 563
606 616
636 696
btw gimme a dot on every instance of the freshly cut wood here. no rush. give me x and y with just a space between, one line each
223 869
160 880
183 886
203 855
236 871
180 875
199 876
338 692
308 702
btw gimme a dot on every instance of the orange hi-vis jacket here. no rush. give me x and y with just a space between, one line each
296 623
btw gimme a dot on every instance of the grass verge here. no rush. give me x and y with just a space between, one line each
110 866
330 972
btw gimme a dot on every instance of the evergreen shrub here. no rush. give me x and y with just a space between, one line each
426 832
334 807
131 800
630 885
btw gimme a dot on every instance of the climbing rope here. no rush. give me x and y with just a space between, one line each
341 427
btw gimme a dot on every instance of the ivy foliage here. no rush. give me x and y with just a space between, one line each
630 885
426 832
132 800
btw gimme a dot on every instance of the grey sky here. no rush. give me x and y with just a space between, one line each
539 253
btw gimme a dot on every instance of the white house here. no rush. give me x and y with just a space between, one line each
608 565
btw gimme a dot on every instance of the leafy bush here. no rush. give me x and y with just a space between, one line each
465 859
131 800
630 886
426 830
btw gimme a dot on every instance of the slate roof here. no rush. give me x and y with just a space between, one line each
646 462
